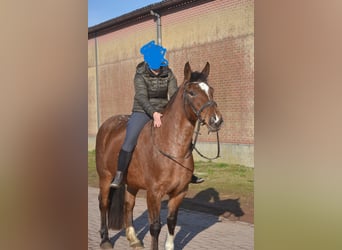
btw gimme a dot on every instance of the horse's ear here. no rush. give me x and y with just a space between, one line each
187 72
206 70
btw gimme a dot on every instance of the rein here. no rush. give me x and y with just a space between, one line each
200 121
193 145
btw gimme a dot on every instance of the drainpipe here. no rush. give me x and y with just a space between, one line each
159 40
97 85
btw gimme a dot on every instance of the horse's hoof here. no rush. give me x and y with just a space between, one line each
106 244
138 248
137 245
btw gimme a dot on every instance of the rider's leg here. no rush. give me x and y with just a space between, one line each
135 124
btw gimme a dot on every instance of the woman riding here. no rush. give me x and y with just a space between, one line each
154 84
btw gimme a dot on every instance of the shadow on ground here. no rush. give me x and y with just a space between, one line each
208 201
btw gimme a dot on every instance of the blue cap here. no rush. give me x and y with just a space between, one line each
154 55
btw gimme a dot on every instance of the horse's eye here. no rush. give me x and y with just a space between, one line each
191 93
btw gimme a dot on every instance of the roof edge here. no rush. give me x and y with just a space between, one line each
139 15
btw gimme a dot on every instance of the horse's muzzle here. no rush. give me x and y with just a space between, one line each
215 124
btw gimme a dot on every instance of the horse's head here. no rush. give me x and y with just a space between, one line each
199 100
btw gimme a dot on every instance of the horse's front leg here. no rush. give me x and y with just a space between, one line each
154 204
130 232
173 206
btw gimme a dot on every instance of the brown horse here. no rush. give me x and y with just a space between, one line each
162 162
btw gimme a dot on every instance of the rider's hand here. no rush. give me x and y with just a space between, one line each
156 119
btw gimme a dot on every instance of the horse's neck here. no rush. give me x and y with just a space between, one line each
176 128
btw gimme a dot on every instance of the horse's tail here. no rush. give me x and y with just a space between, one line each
116 208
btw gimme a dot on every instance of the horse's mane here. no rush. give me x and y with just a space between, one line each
172 99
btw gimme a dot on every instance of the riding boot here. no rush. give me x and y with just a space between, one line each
123 161
196 180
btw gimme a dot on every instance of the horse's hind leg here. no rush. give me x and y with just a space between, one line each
130 232
103 204
173 205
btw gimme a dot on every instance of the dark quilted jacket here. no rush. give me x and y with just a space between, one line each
152 92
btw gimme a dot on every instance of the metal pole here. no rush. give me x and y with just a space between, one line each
97 86
159 35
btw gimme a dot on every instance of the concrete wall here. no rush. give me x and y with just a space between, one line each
220 32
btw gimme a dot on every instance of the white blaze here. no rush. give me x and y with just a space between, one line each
205 88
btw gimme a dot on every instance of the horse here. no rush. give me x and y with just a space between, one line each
162 161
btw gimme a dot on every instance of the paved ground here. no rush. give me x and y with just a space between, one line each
194 230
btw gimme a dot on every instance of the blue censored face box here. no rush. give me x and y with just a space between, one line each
154 55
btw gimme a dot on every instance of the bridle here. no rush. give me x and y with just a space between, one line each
200 121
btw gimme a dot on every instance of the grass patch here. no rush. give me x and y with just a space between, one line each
227 179
93 179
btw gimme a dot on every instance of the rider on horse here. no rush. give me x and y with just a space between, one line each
154 84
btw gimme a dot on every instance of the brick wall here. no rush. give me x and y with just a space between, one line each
220 32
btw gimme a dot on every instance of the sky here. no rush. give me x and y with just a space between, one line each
103 10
